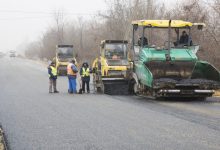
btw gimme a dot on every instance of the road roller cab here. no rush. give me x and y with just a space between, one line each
64 54
111 67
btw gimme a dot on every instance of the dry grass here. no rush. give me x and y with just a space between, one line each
1 140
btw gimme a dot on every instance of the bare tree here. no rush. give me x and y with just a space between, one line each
81 26
59 19
115 23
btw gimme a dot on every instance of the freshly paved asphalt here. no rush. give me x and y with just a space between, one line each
34 119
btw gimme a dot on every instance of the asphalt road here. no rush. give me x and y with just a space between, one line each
34 119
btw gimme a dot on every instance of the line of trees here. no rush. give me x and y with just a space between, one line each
115 23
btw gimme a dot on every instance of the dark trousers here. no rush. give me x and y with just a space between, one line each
87 86
52 84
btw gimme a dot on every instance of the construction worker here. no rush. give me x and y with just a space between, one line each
184 39
52 71
145 41
115 57
85 76
72 74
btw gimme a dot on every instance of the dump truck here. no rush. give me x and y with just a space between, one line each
165 65
64 53
110 69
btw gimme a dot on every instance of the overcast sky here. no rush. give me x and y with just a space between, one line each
23 21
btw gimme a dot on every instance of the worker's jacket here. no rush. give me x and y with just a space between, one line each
52 71
85 74
71 70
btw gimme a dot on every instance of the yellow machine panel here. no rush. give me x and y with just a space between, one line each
111 67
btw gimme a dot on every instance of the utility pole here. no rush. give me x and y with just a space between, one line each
59 18
81 24
149 17
149 9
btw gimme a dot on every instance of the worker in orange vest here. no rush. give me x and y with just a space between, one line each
72 74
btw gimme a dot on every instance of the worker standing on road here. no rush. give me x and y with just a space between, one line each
85 76
52 71
72 74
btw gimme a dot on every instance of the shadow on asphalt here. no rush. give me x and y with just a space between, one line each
191 100
171 100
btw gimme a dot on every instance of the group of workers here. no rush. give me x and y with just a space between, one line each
72 72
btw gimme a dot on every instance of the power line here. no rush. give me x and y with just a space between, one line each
25 12
23 18
25 15
44 12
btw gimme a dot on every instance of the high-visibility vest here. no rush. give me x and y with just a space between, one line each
53 71
69 69
85 72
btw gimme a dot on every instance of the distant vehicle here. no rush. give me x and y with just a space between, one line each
2 54
12 54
